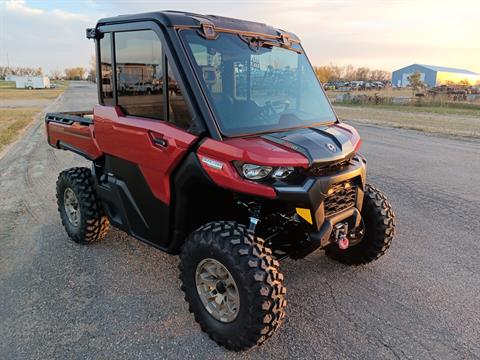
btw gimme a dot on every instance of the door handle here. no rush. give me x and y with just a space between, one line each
158 140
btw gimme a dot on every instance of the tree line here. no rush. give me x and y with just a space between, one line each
325 73
73 73
19 70
329 73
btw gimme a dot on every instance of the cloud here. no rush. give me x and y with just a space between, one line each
50 39
65 15
20 6
380 34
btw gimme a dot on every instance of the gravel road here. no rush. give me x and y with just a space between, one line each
120 299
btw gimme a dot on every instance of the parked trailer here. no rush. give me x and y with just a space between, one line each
30 82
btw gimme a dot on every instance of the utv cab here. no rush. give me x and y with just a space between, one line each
213 139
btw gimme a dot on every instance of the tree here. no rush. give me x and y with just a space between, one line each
22 71
379 75
324 73
415 81
464 83
336 72
363 73
77 73
56 74
3 72
92 72
328 73
349 73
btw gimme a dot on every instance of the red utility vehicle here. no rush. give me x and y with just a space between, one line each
233 158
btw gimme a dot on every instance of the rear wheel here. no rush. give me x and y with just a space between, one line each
379 221
232 284
80 210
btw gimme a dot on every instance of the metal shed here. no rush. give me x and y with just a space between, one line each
433 75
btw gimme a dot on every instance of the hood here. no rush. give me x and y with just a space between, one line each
321 145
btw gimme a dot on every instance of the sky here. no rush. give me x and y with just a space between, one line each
387 34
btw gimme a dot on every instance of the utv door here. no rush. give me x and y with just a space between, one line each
141 146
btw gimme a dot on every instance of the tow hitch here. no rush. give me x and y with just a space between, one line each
340 235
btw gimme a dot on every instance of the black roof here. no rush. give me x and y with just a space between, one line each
178 18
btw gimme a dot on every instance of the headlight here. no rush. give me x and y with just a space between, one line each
282 172
260 172
255 172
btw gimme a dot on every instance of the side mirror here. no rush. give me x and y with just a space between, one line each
93 33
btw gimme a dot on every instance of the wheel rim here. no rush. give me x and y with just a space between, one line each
217 290
72 209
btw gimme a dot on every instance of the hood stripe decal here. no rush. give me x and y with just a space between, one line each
290 146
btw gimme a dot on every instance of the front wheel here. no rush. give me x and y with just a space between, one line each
379 221
232 284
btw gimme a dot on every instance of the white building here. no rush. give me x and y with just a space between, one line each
29 82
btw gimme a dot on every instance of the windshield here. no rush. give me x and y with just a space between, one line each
257 88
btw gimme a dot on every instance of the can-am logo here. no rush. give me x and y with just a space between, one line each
331 147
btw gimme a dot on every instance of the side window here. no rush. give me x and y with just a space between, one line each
178 113
139 71
106 69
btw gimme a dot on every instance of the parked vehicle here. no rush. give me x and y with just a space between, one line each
329 86
29 82
357 85
141 87
243 163
378 84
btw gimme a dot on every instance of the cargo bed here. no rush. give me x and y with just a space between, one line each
72 131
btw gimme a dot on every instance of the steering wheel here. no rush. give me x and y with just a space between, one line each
276 104
269 110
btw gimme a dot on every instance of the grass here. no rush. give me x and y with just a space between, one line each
431 115
447 121
36 94
12 121
7 84
14 117
461 109
9 92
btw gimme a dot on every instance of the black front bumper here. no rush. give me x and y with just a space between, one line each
312 193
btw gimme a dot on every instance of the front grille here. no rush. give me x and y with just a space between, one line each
341 196
328 169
